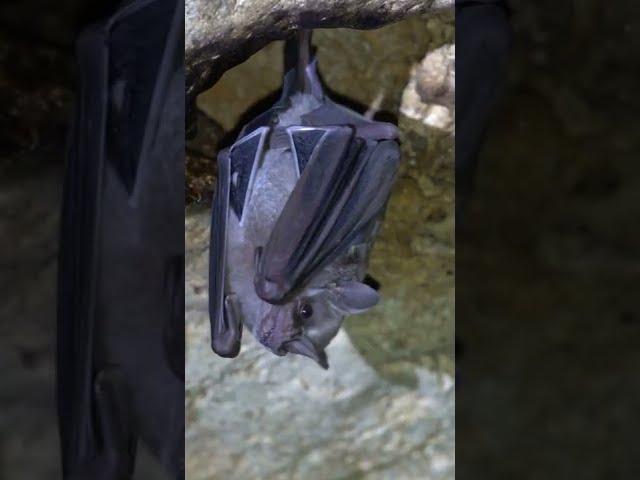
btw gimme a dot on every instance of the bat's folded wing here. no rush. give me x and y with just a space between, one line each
236 171
225 334
343 188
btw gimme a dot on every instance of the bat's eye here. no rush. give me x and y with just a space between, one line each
305 311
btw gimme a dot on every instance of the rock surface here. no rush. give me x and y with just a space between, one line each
223 33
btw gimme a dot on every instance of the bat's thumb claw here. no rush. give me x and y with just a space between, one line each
269 291
225 339
226 345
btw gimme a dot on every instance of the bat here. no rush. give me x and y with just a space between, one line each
120 338
299 199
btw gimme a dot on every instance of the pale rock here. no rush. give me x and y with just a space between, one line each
430 93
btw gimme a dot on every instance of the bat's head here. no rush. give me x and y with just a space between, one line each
307 323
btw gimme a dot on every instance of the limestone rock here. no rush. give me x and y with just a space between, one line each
223 33
430 93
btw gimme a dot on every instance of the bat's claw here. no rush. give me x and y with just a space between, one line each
225 341
269 291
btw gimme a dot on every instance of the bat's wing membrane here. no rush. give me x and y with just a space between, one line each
244 158
303 140
342 189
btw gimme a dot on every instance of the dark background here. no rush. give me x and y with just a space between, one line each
547 255
36 93
37 84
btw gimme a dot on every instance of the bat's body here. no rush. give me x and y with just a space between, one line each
299 200
273 184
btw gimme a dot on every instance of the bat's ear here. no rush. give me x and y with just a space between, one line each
355 297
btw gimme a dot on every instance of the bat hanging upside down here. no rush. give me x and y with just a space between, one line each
299 200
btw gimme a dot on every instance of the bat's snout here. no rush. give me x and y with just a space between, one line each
304 346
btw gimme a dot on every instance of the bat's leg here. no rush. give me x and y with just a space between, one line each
300 66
